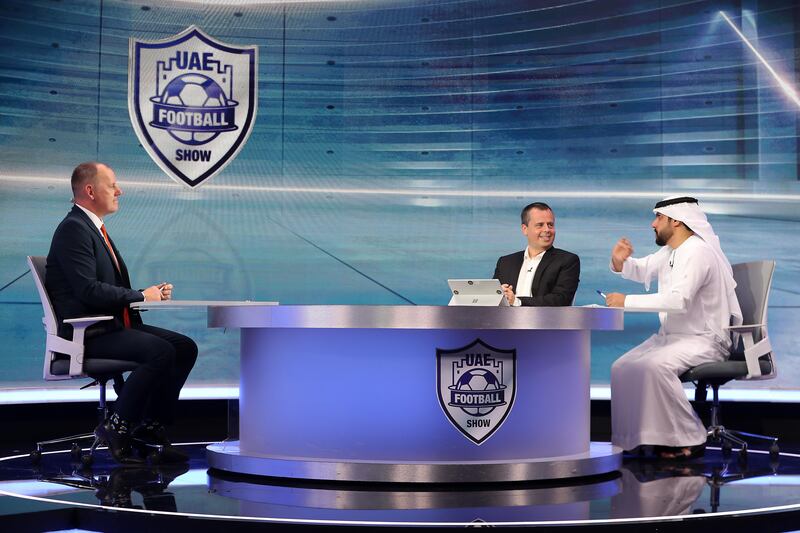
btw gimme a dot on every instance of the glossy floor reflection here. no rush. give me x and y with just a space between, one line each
643 489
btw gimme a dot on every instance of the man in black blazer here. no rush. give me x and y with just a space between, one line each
541 274
86 275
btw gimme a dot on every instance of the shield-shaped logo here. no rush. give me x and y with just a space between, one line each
476 386
192 101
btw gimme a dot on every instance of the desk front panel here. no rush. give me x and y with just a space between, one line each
371 395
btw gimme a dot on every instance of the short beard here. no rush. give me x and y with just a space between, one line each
660 240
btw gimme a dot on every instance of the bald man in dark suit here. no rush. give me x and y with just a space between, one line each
86 275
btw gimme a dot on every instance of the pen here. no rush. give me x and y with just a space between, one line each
601 293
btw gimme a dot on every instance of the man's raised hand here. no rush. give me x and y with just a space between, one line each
621 251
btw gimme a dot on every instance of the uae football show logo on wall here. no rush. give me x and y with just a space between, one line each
476 386
192 101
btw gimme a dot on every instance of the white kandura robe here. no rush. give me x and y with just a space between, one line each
648 402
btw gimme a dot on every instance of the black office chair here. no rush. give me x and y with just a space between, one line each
63 359
751 356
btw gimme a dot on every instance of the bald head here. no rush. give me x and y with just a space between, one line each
94 186
84 174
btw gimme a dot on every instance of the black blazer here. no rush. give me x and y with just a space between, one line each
82 280
556 278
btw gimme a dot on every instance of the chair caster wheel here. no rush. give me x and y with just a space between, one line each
742 457
75 452
774 451
36 457
87 460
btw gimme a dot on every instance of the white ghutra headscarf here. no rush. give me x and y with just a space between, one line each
686 209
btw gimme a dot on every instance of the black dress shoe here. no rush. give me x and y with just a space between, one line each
118 444
147 436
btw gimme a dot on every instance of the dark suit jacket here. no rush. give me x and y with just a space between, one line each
81 277
556 278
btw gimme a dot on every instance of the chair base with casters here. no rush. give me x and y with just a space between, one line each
101 371
715 375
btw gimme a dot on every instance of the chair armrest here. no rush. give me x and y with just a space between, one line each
744 328
79 326
89 320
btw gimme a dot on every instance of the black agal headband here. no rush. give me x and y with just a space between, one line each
673 201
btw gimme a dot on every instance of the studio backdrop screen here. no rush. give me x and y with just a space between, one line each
394 144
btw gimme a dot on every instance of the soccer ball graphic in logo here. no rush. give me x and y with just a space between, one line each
193 91
478 379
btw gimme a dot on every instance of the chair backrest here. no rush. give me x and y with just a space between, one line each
753 282
52 351
63 358
37 265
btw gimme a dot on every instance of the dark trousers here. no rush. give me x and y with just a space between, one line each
165 359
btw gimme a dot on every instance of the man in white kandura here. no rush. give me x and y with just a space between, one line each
696 287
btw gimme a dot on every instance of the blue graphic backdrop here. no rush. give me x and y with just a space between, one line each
396 142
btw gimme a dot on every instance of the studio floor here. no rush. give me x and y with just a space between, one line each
645 493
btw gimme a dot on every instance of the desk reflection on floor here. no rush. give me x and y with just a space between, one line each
410 503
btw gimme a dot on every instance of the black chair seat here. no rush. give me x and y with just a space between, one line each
94 367
723 371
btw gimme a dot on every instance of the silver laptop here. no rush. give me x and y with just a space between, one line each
482 292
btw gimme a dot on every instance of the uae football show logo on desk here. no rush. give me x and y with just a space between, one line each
476 387
192 101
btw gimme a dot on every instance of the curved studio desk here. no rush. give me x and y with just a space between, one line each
350 393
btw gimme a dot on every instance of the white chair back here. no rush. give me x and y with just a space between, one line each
753 282
37 265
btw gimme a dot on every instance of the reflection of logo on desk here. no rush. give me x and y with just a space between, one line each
476 387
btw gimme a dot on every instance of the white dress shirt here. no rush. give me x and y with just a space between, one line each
96 220
526 274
